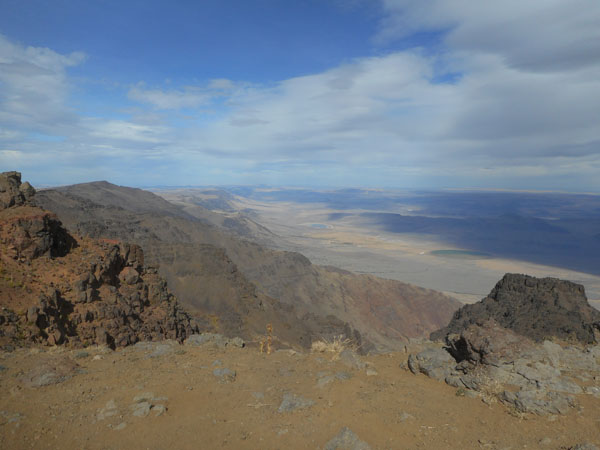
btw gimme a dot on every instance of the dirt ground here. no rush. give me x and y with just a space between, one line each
385 405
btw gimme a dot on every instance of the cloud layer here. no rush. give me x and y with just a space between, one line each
508 99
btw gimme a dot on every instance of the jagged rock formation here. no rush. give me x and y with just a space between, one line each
494 348
539 308
27 231
498 364
13 193
93 293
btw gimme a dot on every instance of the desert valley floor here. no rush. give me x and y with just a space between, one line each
357 246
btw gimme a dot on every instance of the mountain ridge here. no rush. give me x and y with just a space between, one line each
309 289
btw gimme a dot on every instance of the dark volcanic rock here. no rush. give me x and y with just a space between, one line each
12 192
104 310
114 300
32 232
538 308
27 231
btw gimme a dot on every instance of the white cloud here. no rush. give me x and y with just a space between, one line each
521 104
123 130
537 35
34 88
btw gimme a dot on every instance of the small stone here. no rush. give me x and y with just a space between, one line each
120 427
346 439
145 397
405 416
585 446
324 381
81 354
109 410
158 410
216 362
293 402
161 350
546 441
237 342
593 390
343 376
97 358
371 372
141 409
352 360
225 375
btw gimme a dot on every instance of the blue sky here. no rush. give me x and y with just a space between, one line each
381 93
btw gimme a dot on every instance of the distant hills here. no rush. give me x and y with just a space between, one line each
235 285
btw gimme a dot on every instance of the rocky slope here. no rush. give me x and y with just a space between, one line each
384 312
533 307
55 289
99 291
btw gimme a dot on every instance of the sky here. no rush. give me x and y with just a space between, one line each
426 94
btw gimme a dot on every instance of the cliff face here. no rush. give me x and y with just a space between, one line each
56 290
538 308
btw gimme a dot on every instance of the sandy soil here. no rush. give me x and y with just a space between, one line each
393 409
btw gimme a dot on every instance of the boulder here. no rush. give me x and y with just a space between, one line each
434 362
129 275
495 361
487 343
33 233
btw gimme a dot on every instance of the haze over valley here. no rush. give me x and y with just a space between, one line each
455 242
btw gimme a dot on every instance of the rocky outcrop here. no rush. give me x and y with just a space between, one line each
109 305
29 233
105 296
539 308
13 193
26 231
497 364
